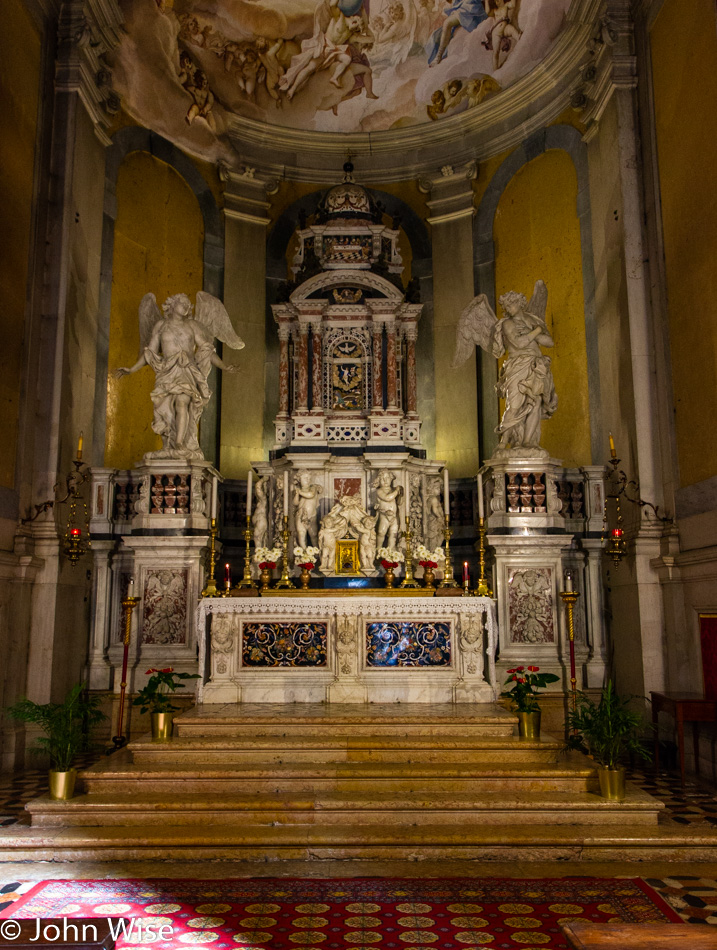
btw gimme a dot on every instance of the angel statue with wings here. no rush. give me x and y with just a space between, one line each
525 381
179 347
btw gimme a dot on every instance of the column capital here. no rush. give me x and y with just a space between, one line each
245 194
451 192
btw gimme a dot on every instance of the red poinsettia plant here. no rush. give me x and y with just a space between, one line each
155 697
523 683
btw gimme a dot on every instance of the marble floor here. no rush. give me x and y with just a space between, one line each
691 889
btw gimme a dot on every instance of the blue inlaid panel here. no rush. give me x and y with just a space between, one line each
408 643
281 644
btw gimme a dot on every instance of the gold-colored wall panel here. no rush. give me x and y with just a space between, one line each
684 68
159 237
537 236
20 77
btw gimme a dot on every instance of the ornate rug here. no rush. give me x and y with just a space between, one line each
277 914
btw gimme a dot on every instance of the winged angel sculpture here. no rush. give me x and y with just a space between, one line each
179 346
525 381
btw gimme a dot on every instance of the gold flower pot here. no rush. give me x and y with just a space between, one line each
62 784
612 783
162 726
305 577
265 578
389 577
428 577
529 725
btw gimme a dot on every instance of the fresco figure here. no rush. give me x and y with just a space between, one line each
461 14
505 33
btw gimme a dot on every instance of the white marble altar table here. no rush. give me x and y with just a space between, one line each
347 649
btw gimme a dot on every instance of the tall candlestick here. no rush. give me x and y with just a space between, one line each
481 512
215 490
249 486
613 453
286 494
446 493
80 443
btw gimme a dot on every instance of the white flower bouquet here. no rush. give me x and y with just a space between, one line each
267 558
390 558
429 559
306 557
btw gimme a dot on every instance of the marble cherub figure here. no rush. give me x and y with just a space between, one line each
179 346
526 380
307 495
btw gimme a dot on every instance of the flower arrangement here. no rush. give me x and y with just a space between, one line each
429 559
267 558
155 696
525 681
390 559
306 557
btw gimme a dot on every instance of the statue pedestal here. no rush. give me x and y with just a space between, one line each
524 493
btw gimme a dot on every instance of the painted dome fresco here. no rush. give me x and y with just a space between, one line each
190 69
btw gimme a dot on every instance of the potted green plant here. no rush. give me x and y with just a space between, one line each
608 730
156 698
523 683
66 727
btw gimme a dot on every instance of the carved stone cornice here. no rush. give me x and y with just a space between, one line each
451 192
87 31
245 194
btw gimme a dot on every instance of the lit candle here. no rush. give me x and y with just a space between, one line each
215 490
249 486
80 443
613 453
286 494
568 582
75 532
227 574
446 493
481 510
617 532
130 587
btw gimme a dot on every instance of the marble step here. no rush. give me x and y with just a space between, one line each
519 842
119 775
206 751
104 810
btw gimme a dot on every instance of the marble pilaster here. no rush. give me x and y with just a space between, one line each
316 368
377 343
391 369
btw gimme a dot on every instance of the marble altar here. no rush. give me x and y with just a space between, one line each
345 649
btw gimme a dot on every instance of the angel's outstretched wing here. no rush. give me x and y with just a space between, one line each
476 327
212 314
149 313
539 301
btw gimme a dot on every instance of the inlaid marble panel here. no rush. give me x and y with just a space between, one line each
284 644
404 644
165 607
530 599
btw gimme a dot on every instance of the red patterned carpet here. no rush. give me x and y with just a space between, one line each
275 914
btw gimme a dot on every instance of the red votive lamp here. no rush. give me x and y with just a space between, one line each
617 532
75 532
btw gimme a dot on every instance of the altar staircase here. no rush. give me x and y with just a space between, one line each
262 783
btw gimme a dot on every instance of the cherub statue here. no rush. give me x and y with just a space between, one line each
260 515
306 508
435 516
180 349
387 498
526 381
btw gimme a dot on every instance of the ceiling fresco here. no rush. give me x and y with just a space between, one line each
185 67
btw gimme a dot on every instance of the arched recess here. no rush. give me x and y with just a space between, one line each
567 139
126 141
421 268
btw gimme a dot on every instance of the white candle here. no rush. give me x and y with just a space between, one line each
249 486
286 494
215 490
568 582
406 494
481 510
130 587
446 493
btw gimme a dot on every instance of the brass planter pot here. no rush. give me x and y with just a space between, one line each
62 784
429 577
305 578
265 578
612 783
162 726
529 725
389 577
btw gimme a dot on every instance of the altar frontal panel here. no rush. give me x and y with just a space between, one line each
404 644
272 644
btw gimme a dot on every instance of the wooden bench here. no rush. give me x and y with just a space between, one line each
70 933
585 935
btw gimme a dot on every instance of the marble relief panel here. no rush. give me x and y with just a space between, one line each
414 643
530 605
269 644
165 607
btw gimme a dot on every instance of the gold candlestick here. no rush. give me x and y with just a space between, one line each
211 587
449 580
284 580
128 605
247 580
570 598
409 580
482 590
